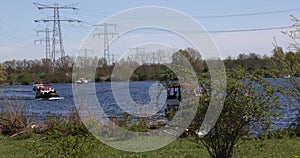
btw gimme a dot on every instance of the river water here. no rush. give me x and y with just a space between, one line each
39 110
23 95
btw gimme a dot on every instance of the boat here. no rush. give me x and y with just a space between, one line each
45 91
36 85
82 80
175 90
173 96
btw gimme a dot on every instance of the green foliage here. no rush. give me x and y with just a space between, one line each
279 134
61 77
280 64
194 58
294 93
2 76
65 139
43 77
26 78
27 71
292 62
170 114
127 123
248 102
139 126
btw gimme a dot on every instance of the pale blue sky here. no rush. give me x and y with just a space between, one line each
17 23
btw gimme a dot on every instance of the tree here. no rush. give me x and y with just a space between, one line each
2 76
292 63
124 69
194 57
294 34
248 103
279 62
293 59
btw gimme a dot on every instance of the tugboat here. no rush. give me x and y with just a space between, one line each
45 91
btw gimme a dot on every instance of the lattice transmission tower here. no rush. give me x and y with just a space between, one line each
46 39
57 40
106 33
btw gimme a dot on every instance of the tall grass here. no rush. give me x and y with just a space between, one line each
63 138
13 120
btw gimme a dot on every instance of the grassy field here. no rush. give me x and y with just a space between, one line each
182 147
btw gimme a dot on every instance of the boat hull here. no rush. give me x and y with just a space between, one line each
47 95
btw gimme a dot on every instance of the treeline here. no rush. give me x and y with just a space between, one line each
28 71
279 64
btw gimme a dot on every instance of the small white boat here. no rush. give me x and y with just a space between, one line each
82 80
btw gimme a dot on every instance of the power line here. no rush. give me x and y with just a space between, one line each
106 33
226 16
46 40
154 30
249 14
9 36
251 30
12 27
233 15
92 14
4 31
57 40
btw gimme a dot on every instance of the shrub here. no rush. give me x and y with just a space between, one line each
248 103
13 118
68 138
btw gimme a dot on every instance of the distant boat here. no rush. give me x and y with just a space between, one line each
45 91
82 80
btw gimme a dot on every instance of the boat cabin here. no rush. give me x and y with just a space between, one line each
175 91
45 91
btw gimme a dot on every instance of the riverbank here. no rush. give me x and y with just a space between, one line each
70 138
182 147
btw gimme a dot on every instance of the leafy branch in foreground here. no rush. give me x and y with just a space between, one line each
248 104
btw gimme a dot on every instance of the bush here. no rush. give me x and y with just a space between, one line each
248 102
13 120
65 139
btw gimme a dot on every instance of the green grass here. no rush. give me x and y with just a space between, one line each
10 147
284 148
182 147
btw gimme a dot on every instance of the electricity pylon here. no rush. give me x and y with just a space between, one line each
86 55
46 40
106 33
138 54
57 40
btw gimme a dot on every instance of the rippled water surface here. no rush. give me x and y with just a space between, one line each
23 95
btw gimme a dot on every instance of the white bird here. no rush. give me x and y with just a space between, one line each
33 126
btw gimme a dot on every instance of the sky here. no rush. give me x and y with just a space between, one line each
18 29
